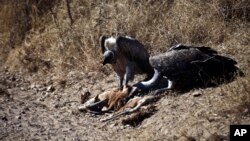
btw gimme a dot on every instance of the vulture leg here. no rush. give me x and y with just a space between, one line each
121 82
157 82
132 93
129 75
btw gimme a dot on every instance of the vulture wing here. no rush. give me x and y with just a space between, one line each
206 50
131 48
191 60
134 51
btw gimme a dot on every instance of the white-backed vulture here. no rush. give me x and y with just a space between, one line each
184 67
127 56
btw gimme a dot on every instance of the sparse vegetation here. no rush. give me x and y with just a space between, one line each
57 37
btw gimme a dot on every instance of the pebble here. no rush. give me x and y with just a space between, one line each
50 88
196 93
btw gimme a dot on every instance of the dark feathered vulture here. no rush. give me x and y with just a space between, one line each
127 56
183 67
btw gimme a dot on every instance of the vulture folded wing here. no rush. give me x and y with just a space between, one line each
134 51
203 49
131 48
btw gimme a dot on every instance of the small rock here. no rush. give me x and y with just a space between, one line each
56 105
41 88
112 125
45 94
50 88
22 88
12 78
18 117
4 118
196 93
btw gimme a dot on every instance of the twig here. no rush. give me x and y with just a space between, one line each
69 12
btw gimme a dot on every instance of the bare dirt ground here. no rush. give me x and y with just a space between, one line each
44 111
33 109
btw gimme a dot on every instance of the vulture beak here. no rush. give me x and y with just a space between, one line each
108 57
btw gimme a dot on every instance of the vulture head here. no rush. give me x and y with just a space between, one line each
108 45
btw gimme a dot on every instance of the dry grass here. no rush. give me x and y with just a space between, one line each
56 37
67 34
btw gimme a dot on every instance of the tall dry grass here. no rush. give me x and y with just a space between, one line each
59 36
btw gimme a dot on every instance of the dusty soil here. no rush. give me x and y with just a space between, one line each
34 109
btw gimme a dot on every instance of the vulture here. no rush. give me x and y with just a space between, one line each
185 67
127 56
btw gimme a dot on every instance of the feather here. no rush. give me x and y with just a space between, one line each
135 51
